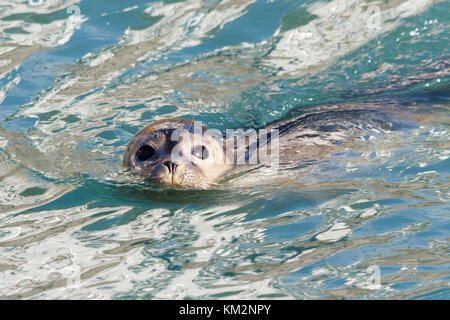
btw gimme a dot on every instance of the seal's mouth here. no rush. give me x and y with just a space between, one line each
172 184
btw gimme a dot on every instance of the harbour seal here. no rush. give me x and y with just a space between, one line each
183 153
177 152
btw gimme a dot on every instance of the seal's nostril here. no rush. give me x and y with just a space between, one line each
171 166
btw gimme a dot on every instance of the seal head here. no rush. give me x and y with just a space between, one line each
177 152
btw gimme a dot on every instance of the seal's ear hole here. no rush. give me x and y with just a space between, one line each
145 153
200 152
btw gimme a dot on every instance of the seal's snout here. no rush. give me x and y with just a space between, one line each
170 173
170 166
165 172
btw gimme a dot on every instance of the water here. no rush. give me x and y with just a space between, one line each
79 78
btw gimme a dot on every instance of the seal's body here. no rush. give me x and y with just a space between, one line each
180 152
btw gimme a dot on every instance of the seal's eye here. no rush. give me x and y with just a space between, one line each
200 152
145 153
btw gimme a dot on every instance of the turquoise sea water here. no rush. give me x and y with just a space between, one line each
79 78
